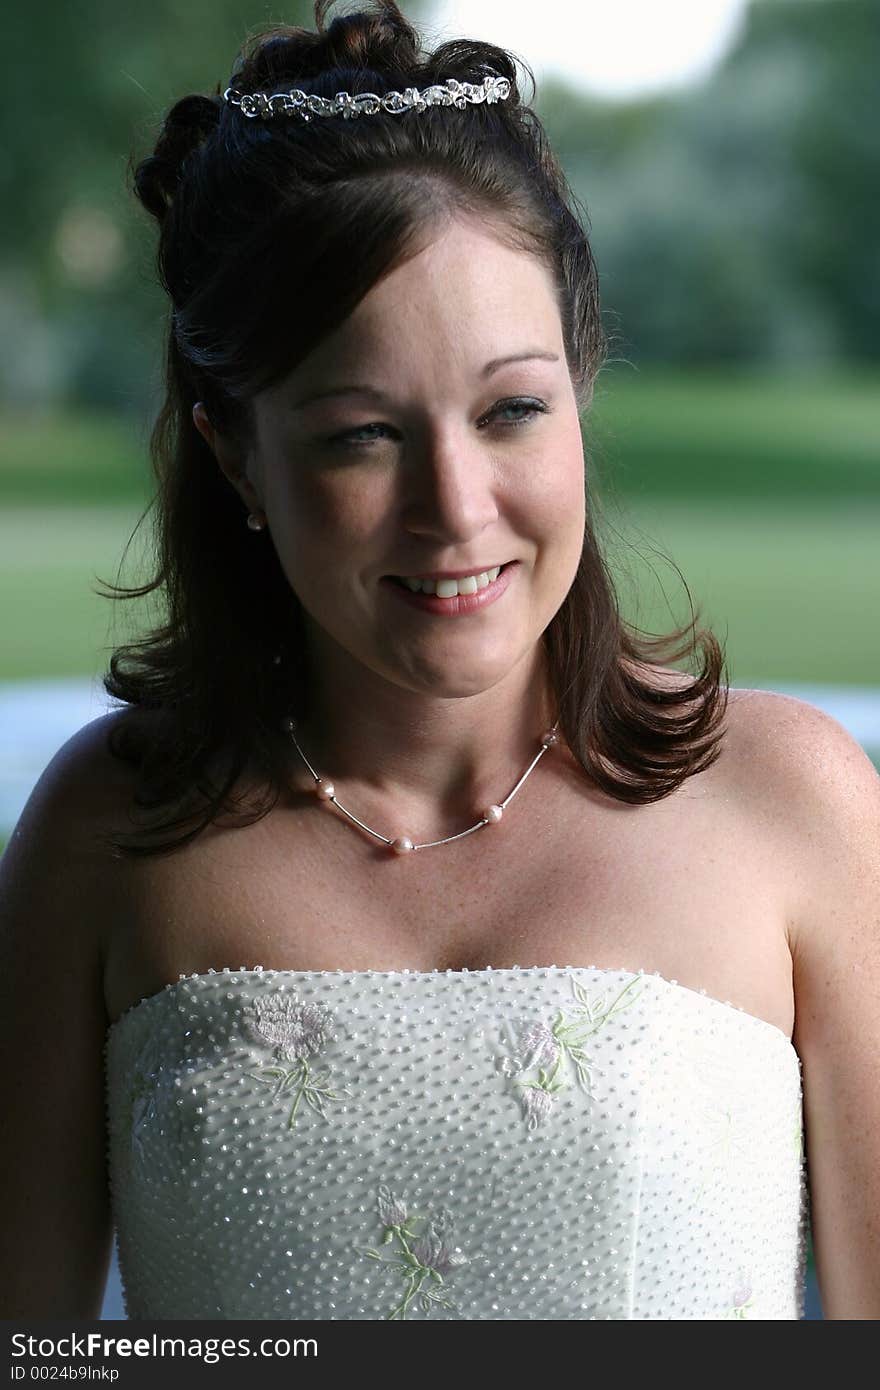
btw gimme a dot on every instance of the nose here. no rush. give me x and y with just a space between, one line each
451 490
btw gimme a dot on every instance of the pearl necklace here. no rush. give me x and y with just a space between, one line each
403 844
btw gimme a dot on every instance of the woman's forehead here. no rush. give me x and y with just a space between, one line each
475 321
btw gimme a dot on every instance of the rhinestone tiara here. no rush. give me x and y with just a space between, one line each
305 105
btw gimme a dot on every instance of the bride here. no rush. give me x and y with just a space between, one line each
467 959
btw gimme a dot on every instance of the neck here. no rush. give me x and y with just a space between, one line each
426 765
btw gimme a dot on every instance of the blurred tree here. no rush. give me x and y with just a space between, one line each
737 221
837 150
87 86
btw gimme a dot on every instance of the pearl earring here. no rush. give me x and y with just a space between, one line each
256 521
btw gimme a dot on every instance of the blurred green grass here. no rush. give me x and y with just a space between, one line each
791 587
745 433
52 558
73 457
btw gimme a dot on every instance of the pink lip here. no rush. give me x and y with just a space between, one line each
462 603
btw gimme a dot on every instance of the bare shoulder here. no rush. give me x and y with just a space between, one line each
827 791
55 881
824 794
800 774
811 790
80 797
806 766
87 785
83 784
801 753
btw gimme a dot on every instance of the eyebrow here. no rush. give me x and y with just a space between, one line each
372 392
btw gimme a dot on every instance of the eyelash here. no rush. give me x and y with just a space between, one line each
532 406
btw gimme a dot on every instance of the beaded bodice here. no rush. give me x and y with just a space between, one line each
529 1143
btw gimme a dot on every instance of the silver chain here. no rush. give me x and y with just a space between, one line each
402 844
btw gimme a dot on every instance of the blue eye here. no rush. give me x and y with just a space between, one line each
349 436
531 407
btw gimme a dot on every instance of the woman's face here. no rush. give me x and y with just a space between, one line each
423 454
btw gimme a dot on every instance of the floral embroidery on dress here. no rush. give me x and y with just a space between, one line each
425 1256
742 1298
296 1031
728 1136
550 1047
147 1095
143 1107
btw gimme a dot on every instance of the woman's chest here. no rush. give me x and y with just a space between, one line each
693 887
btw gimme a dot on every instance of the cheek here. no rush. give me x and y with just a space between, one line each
572 470
321 508
316 526
558 511
552 492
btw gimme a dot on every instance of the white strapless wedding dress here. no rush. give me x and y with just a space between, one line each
529 1143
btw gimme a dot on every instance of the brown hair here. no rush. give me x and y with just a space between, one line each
271 232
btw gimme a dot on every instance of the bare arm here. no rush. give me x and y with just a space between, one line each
830 805
56 1233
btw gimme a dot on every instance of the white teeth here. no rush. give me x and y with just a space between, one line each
449 588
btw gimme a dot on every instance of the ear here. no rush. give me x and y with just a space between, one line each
227 457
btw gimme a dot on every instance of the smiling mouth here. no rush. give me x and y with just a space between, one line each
453 605
399 579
